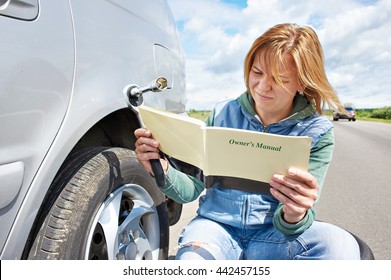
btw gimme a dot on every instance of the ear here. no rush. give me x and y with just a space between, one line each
301 88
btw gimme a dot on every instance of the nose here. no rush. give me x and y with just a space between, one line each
264 84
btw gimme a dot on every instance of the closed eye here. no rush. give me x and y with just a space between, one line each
257 71
284 79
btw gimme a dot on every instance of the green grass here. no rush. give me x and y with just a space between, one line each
373 120
201 115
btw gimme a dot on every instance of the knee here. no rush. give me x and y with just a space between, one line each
195 251
342 246
328 241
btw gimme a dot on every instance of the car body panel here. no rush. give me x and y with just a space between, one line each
74 59
35 90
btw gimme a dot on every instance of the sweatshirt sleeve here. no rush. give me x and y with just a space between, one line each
320 158
181 187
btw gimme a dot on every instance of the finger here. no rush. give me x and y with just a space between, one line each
303 176
142 132
145 141
293 188
291 199
290 206
293 212
147 156
147 147
291 196
146 152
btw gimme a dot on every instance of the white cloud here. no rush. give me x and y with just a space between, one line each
354 34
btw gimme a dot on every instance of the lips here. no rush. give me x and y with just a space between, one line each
263 97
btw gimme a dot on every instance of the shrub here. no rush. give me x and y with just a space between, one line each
382 113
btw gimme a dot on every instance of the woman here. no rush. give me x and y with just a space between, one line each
287 88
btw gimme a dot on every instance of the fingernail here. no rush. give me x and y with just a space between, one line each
277 177
292 171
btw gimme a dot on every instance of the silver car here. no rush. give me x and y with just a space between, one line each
349 115
70 185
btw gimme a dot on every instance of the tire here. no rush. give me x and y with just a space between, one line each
365 251
174 211
104 205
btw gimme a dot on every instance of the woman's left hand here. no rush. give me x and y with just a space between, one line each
297 192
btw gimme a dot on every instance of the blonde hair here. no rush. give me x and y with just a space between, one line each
302 44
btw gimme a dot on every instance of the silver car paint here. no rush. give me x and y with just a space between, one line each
60 74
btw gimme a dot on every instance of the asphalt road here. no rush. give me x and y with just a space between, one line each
357 191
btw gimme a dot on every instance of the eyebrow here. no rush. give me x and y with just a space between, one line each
281 76
259 69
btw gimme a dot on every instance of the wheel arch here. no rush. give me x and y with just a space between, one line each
114 130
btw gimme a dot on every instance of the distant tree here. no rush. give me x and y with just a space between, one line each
382 113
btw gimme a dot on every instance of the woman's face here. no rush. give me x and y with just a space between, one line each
273 102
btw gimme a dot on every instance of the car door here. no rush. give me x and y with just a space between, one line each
36 76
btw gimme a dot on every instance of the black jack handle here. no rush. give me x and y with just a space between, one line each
134 95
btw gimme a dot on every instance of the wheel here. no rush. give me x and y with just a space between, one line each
365 251
104 205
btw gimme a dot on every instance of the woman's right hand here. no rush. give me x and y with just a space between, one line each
147 148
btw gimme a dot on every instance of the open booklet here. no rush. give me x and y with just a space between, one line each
230 152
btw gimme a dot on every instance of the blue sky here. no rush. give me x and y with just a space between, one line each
355 35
